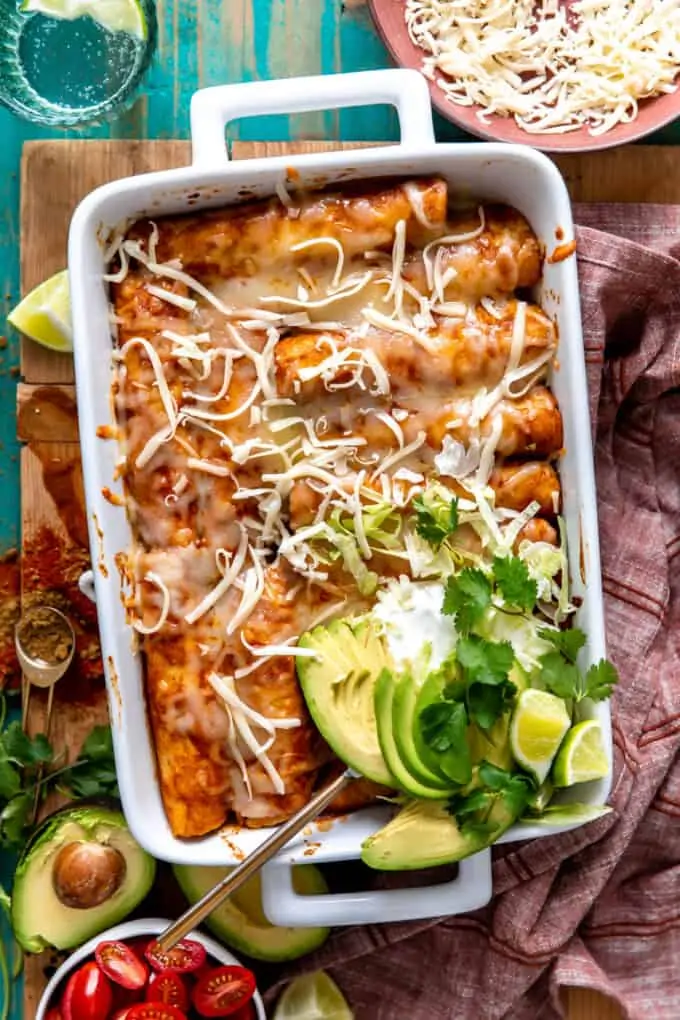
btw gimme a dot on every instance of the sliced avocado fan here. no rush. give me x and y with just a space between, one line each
338 685
81 873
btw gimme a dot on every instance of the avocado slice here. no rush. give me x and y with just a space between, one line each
384 714
239 921
445 765
424 835
83 872
403 723
338 688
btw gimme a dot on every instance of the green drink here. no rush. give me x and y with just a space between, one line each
70 62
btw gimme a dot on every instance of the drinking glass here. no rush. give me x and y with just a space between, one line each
65 73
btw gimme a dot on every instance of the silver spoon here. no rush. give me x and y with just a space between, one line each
41 668
189 920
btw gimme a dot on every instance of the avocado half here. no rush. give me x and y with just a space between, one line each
240 922
81 873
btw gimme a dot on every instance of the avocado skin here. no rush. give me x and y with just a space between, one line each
424 835
47 922
338 689
233 926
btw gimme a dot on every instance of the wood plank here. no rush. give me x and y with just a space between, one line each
47 413
586 1004
73 168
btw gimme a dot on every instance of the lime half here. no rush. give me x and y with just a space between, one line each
313 997
537 729
44 315
582 756
115 15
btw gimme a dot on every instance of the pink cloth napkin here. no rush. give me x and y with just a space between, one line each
598 907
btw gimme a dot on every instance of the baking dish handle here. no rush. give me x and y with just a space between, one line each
470 890
213 108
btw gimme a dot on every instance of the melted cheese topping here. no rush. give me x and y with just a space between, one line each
231 477
553 68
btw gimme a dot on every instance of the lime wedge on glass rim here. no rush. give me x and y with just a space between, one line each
115 15
582 757
313 997
537 729
44 315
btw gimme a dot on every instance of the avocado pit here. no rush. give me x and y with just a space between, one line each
87 874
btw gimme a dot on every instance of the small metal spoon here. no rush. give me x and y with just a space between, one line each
189 920
38 672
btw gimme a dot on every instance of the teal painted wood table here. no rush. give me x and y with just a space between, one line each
201 43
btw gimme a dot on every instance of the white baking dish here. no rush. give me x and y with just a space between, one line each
517 175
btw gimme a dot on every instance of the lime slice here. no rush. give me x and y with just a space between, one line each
45 314
582 756
537 729
115 15
313 997
564 814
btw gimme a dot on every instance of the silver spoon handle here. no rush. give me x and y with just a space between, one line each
180 928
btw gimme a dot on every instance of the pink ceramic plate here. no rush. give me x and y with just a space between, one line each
653 114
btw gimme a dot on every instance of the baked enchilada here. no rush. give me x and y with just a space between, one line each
293 377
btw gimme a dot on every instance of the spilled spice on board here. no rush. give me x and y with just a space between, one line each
10 610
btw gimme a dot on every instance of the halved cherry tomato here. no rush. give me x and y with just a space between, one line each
155 1011
185 957
121 964
122 1014
245 1013
53 1014
88 994
224 990
167 987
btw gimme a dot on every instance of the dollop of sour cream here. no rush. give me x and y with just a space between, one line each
409 616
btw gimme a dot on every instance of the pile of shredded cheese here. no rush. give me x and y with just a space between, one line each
552 69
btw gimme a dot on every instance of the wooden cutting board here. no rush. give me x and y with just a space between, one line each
55 176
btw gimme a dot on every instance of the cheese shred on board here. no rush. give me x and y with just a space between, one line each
551 68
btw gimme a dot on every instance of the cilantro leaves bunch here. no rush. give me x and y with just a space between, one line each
560 675
470 592
436 517
29 769
474 811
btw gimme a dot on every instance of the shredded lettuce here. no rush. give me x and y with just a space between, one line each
367 580
520 630
381 521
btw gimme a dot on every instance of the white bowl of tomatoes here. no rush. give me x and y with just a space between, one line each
121 975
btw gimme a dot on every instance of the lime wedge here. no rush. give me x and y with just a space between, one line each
564 814
582 756
537 729
313 997
44 315
115 15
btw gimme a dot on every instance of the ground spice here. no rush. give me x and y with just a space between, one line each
45 636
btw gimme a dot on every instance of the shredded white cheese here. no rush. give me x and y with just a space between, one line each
552 67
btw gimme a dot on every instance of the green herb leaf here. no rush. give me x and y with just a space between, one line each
435 519
444 725
568 642
25 750
487 703
14 820
98 744
514 583
600 680
561 677
466 596
10 780
485 662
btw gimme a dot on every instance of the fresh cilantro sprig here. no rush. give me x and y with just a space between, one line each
466 596
474 811
514 583
29 768
443 726
560 674
469 593
435 519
